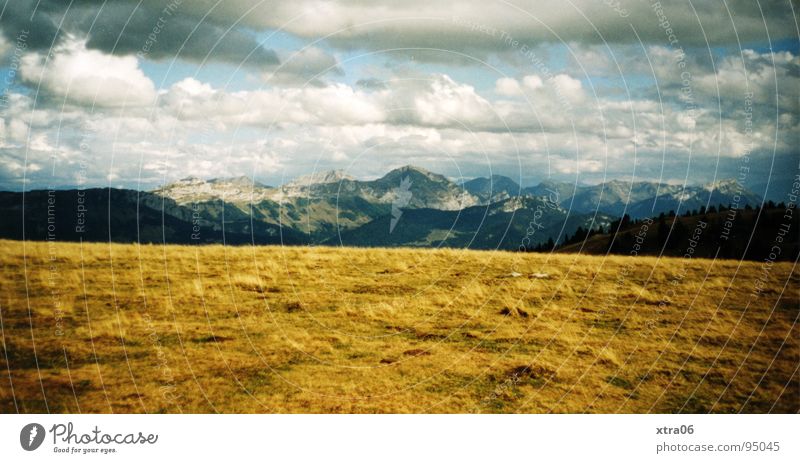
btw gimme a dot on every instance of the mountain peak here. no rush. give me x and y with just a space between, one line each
409 169
331 176
727 184
191 179
240 181
492 188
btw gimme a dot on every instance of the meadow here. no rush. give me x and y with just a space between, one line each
133 328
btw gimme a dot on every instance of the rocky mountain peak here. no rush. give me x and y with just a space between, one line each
727 185
241 181
321 177
190 180
414 171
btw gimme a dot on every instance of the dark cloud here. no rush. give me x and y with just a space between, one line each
477 26
303 67
129 27
39 27
371 83
473 27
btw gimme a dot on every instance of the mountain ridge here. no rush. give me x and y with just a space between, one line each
407 206
615 196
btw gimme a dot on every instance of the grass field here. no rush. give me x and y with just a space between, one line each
129 328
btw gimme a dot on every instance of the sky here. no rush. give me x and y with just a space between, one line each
137 93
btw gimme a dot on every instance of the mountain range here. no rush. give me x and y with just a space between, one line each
409 206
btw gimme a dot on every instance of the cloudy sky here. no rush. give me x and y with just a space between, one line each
138 93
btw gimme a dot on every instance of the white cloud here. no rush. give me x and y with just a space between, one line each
335 104
448 103
569 87
17 130
195 128
575 167
767 76
532 82
89 77
5 47
507 86
193 87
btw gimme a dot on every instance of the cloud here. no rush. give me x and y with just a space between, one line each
768 76
447 103
88 77
182 32
156 29
737 90
532 82
437 103
474 26
507 86
17 130
306 66
568 86
295 107
335 104
371 83
226 31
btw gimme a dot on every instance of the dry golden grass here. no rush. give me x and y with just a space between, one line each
129 328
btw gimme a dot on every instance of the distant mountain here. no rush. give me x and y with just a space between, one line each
324 202
409 206
313 209
780 186
509 224
644 199
331 176
427 190
612 197
680 200
556 191
192 190
244 182
494 188
124 216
